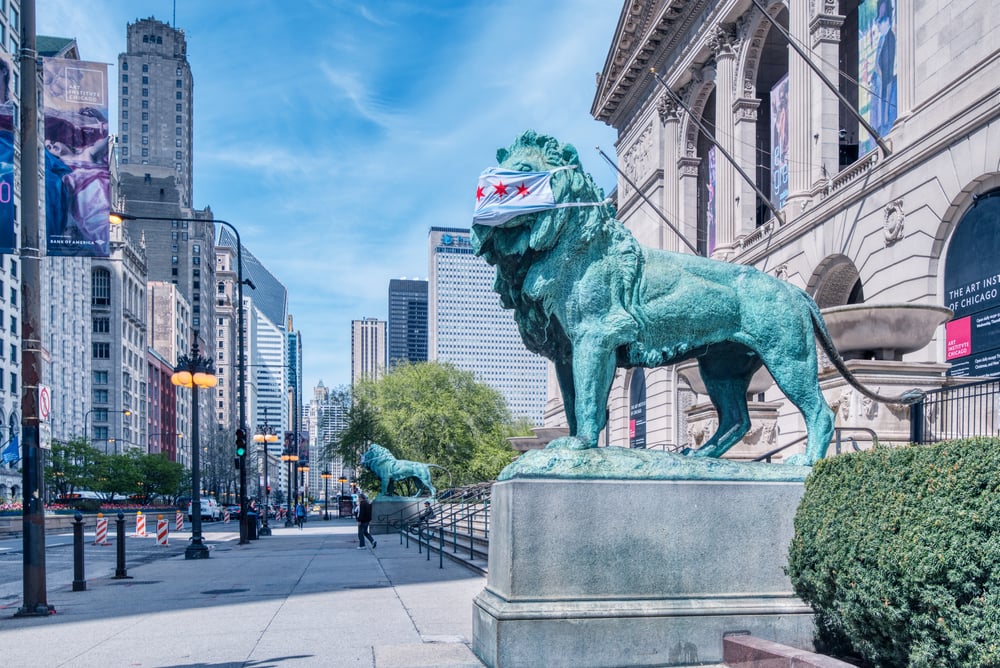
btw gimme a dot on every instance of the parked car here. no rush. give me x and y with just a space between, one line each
234 511
210 510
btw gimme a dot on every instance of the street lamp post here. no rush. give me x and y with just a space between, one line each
343 481
265 436
304 471
195 371
326 475
86 424
289 457
117 218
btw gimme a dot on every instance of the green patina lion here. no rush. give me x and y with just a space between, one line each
389 470
590 298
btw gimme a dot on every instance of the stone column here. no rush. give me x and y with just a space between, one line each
800 82
687 188
671 150
824 31
723 45
745 119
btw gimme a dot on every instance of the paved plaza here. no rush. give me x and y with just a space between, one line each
297 598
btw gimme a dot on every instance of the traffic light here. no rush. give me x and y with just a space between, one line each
241 442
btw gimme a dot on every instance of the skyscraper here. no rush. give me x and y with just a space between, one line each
406 329
468 327
367 349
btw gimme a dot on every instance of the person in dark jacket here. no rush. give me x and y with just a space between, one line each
364 518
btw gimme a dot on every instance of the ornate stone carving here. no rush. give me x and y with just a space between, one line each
724 42
636 159
892 227
781 272
667 109
745 109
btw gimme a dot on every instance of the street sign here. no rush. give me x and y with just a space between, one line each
44 403
45 435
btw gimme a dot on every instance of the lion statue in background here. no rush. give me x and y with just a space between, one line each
388 469
590 298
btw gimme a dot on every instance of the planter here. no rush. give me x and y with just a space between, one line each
883 331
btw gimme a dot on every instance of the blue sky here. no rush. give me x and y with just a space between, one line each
334 134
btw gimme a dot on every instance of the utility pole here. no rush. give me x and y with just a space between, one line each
33 510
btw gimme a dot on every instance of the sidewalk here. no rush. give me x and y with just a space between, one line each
297 598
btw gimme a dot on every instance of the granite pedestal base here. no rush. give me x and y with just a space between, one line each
388 511
637 573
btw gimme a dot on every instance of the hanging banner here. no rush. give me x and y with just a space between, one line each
303 448
877 66
77 177
8 239
779 143
710 200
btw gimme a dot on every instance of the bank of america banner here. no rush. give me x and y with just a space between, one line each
77 178
8 241
877 66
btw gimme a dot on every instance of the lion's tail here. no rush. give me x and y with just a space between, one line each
911 396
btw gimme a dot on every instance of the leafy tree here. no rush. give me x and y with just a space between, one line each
72 466
117 474
436 413
159 475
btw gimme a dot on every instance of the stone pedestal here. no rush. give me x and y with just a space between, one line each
703 420
636 572
387 511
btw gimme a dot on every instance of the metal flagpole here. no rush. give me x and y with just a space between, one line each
694 119
645 199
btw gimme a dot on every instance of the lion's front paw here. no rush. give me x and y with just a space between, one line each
569 443
798 460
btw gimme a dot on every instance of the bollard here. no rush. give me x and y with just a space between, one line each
79 582
120 572
441 547
162 531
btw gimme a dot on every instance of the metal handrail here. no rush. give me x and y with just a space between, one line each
838 432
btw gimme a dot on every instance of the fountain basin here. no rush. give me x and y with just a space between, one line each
883 331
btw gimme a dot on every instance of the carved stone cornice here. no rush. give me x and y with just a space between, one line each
723 42
826 28
688 166
668 110
745 109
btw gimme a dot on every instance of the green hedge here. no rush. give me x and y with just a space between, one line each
898 551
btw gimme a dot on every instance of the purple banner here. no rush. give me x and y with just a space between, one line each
779 143
77 178
8 240
710 201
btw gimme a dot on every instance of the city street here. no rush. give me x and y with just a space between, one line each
304 597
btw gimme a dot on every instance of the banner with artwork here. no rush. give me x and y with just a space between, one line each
710 201
779 143
77 177
877 66
8 239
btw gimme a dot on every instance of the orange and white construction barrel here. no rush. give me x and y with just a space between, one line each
162 532
102 530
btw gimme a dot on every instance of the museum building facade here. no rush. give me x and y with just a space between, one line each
726 125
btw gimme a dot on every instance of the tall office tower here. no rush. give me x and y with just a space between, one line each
168 318
406 329
268 373
268 294
226 352
468 328
327 420
118 416
367 349
65 315
156 104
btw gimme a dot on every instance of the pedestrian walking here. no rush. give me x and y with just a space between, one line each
364 517
300 515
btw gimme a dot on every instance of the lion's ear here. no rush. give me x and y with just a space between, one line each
502 154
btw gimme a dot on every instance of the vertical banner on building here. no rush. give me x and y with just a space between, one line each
710 201
779 143
77 177
877 66
637 409
303 448
8 239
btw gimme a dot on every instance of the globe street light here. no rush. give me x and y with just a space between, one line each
86 423
265 436
326 475
195 371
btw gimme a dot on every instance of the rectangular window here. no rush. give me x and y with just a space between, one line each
180 95
145 92
145 80
102 325
179 155
179 83
179 120
179 106
101 397
100 378
145 127
13 383
124 90
102 350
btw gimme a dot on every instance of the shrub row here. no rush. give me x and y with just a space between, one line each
898 552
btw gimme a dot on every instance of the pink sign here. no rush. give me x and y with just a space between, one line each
959 337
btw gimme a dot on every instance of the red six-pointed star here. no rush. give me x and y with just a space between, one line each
522 190
500 189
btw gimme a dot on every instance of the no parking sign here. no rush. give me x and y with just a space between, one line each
44 403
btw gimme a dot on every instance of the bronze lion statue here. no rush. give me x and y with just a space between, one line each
389 470
587 296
